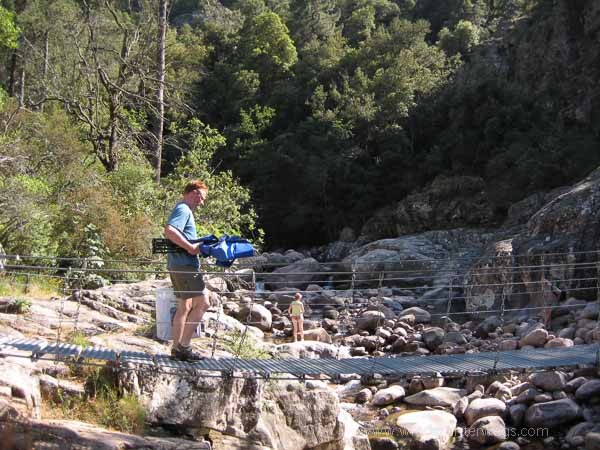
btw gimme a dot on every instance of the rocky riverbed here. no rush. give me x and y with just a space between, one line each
559 409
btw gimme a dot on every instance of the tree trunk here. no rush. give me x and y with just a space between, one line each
46 65
22 88
12 81
162 31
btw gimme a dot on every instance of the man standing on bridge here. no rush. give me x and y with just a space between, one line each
184 270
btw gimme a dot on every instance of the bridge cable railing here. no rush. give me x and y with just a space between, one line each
381 277
346 262
450 287
473 271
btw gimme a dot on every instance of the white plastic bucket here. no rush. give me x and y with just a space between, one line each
166 307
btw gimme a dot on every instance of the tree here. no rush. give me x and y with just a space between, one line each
229 209
99 68
160 69
267 47
460 40
9 31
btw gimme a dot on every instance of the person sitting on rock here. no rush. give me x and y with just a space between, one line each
296 312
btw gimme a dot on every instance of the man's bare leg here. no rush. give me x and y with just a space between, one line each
183 309
199 305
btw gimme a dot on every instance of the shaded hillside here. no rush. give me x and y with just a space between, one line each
523 114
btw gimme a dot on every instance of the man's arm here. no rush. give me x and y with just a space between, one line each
175 236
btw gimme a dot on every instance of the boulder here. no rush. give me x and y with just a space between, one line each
388 395
535 338
354 438
484 407
318 334
433 337
576 434
296 275
588 390
551 414
441 396
549 381
559 343
370 320
486 431
270 413
256 315
428 430
420 315
517 414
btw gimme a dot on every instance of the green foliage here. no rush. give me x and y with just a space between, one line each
247 348
20 305
9 31
147 330
314 112
32 287
460 40
103 404
228 209
267 47
79 338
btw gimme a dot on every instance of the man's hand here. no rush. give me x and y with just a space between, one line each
194 249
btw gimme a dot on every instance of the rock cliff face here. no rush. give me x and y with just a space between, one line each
563 235
266 414
563 38
446 203
551 54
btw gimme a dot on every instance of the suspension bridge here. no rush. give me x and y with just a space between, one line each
581 279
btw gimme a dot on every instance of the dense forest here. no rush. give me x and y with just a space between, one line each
303 116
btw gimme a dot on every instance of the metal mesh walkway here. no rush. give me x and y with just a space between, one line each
519 360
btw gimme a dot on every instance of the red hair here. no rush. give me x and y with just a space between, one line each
195 185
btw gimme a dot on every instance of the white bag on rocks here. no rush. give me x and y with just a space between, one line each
166 306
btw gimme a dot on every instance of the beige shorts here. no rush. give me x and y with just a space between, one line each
187 281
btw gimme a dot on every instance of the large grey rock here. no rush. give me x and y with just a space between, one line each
318 334
370 320
297 275
23 384
71 435
448 202
388 395
441 396
549 381
354 437
256 315
517 414
272 414
311 350
555 228
433 337
535 338
418 254
576 433
421 316
588 390
428 430
484 407
487 430
551 414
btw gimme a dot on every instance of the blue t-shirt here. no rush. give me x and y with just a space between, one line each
182 218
